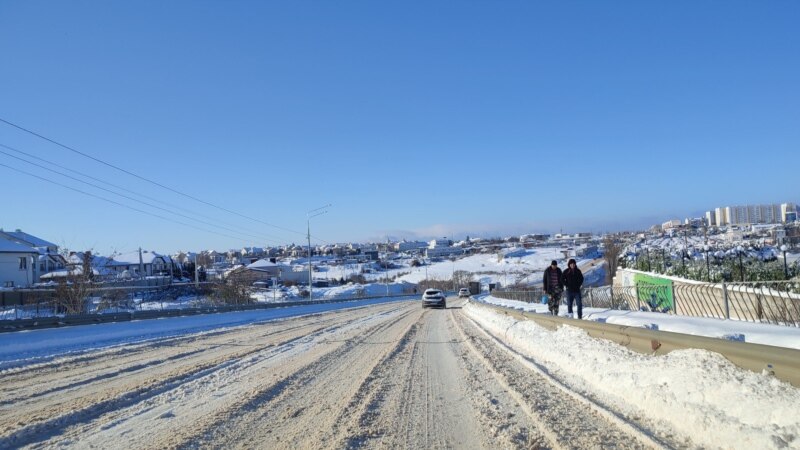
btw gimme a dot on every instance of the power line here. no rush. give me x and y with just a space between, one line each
125 196
85 155
121 204
121 188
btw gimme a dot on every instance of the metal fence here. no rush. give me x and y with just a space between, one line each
104 298
775 302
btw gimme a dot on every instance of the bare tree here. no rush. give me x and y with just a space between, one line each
204 259
73 290
611 253
234 291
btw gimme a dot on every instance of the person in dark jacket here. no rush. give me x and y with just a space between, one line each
573 280
553 283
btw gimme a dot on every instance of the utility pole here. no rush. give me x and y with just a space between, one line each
313 213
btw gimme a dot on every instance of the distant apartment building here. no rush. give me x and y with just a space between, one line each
674 223
405 246
721 216
711 218
443 242
753 214
788 212
694 222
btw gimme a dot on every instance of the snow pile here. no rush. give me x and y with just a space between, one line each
755 333
694 392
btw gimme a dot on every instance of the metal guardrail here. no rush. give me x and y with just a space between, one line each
87 319
775 302
784 363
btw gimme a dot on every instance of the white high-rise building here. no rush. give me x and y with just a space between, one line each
786 212
721 216
750 214
711 218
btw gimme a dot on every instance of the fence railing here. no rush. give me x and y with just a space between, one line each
104 298
86 319
113 299
774 302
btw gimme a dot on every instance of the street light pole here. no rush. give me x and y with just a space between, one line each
683 262
785 264
313 213
708 266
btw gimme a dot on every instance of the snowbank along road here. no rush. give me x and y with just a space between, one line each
384 376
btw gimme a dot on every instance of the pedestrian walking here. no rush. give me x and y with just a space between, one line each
573 280
553 282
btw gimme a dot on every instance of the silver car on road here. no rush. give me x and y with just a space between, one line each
434 297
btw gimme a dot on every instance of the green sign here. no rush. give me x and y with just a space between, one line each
655 292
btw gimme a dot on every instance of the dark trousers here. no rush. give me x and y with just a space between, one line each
553 300
575 296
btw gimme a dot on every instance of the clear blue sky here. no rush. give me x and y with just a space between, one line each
411 118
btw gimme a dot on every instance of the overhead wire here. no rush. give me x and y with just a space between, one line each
100 161
121 188
121 204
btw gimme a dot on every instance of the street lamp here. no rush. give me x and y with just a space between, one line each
309 215
683 262
740 251
275 287
785 264
708 266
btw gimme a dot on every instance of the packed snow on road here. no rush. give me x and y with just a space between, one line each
375 374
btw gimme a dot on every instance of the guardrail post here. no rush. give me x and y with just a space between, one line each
725 300
674 297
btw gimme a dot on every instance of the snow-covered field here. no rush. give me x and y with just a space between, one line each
508 266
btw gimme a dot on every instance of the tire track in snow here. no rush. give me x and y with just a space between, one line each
548 401
64 416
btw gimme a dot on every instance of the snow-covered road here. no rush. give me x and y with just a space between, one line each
382 376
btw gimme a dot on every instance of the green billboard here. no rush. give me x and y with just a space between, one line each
654 291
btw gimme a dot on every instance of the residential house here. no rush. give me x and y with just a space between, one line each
267 271
23 238
17 263
140 264
48 258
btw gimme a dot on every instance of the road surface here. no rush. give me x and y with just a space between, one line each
384 376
